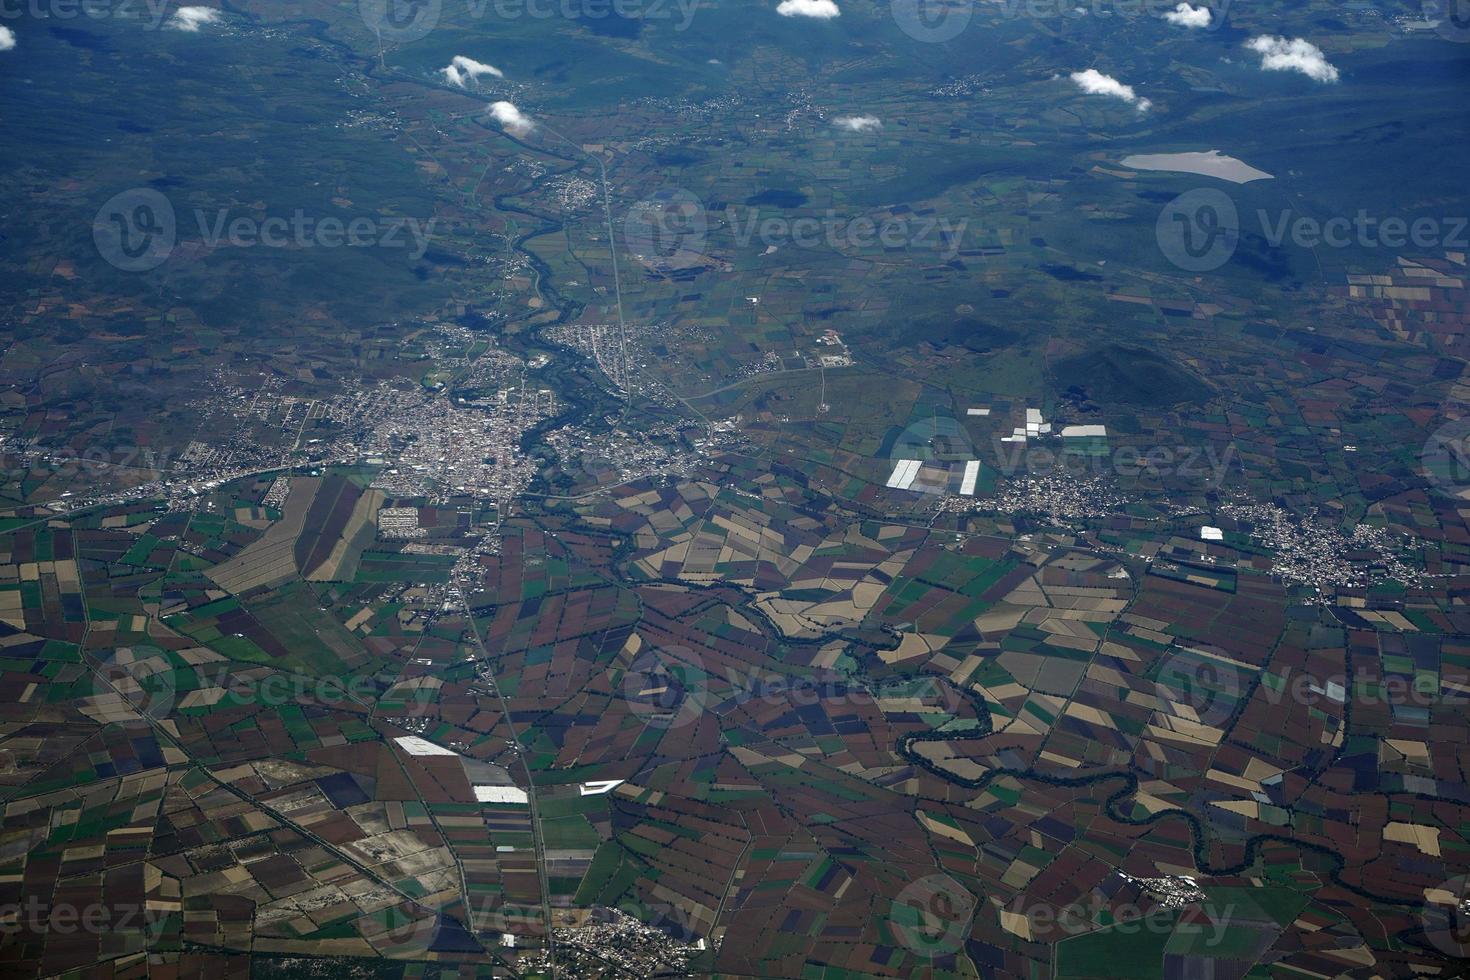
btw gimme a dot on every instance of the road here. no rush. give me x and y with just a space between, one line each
538 841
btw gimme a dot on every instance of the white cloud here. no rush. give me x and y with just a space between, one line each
820 9
511 118
1279 54
1186 16
462 69
7 38
193 18
859 124
1094 82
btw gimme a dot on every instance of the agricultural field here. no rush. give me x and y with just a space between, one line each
765 499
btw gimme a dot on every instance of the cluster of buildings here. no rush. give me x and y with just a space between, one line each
574 193
831 351
609 942
1059 495
1309 551
617 455
439 449
399 523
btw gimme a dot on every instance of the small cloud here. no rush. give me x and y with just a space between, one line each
7 39
1297 54
858 124
1094 82
1186 16
192 18
820 9
514 121
462 69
